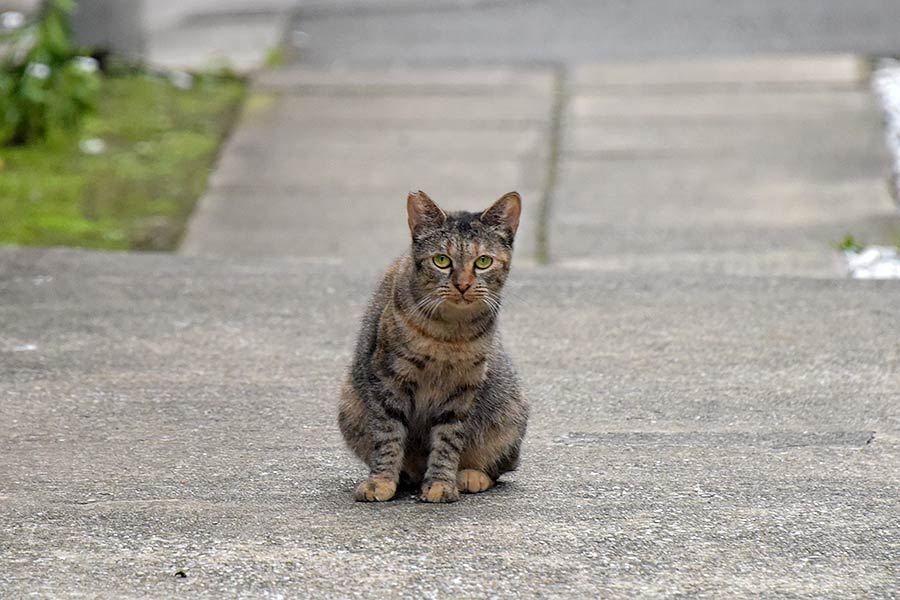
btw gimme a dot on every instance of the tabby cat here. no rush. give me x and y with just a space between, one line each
431 397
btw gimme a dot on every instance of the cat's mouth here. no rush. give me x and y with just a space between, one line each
465 302
462 301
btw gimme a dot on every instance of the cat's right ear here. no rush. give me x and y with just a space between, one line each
423 213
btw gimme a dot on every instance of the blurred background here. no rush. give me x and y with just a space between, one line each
745 132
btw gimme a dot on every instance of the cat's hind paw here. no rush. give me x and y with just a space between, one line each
439 491
376 489
473 481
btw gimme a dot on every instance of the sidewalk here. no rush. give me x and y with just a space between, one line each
211 34
322 162
207 34
751 166
715 406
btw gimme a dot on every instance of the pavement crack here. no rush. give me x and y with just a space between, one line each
542 252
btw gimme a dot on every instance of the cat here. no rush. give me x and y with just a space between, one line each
431 396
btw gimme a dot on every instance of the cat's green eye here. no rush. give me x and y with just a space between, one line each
441 261
483 262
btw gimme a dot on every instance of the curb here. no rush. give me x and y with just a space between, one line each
886 85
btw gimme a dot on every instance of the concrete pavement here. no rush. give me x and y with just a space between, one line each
321 163
167 428
752 166
541 32
715 406
198 35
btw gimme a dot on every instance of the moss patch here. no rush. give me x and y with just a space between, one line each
158 146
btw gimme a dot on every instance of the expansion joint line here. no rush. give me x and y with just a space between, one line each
552 165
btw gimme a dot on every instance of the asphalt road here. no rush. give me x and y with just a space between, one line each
548 31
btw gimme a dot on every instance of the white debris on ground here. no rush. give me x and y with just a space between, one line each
874 262
883 262
886 84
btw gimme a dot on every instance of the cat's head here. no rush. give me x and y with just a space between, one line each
461 259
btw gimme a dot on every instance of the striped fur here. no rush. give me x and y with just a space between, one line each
431 395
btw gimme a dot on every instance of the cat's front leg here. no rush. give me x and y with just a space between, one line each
388 424
447 439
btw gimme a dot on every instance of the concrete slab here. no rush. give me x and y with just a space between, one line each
403 80
742 72
750 177
198 35
168 428
314 223
314 174
240 44
472 112
756 212
400 143
774 204
699 183
541 32
812 261
751 174
363 7
452 176
852 134
797 106
162 15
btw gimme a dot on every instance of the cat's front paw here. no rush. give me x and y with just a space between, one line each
376 489
439 491
473 481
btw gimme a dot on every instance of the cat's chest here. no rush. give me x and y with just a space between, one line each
441 354
440 379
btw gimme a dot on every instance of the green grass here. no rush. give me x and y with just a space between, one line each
161 142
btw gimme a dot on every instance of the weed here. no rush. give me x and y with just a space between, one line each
848 244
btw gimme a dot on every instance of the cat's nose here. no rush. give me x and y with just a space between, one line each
462 286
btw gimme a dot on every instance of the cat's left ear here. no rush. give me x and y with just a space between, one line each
504 214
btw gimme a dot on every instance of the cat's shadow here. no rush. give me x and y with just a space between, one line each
409 491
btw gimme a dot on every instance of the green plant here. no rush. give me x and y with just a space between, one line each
848 244
159 141
45 86
276 56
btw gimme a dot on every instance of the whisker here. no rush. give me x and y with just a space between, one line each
495 307
491 300
422 304
435 306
